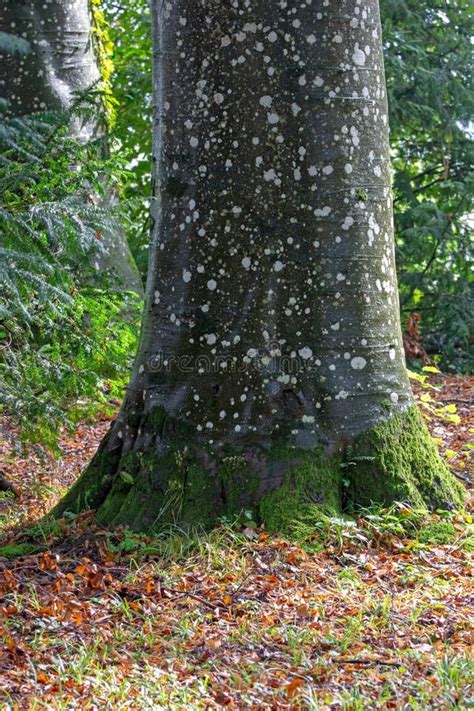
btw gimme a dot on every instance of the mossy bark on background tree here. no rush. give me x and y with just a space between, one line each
64 62
270 374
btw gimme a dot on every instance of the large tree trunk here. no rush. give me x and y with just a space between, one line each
61 65
271 372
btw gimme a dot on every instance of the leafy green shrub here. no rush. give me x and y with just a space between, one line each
67 332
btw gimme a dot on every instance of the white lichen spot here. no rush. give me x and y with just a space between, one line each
269 175
212 284
305 352
358 363
358 56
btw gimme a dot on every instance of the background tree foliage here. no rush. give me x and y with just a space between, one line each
130 30
428 57
67 331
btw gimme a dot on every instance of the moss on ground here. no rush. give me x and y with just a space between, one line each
439 532
18 549
468 540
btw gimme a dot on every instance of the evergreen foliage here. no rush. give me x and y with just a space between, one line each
65 344
130 32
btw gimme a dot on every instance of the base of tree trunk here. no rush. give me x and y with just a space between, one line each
187 485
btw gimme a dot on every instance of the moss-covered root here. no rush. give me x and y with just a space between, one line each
145 491
92 487
398 461
310 491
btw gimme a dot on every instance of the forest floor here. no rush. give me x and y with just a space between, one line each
373 613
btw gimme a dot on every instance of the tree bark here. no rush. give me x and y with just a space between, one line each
271 372
61 64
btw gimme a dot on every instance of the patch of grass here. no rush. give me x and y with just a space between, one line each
234 620
456 677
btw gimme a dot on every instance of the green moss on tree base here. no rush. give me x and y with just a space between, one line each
92 487
398 461
150 492
311 490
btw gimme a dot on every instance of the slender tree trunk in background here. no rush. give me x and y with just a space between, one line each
62 62
271 372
